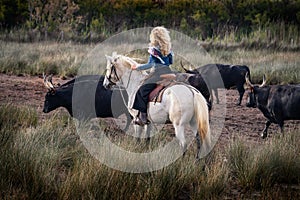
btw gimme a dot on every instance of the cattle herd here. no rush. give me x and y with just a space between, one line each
277 102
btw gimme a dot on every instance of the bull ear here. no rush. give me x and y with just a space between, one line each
264 81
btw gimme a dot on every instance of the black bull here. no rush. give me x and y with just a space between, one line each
277 103
223 76
90 98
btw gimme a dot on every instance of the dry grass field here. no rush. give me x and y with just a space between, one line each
42 156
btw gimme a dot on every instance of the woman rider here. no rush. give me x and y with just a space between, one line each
160 58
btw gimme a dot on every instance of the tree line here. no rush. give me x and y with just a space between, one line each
100 18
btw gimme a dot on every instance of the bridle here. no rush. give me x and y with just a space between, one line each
113 70
111 82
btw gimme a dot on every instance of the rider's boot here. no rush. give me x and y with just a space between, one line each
142 119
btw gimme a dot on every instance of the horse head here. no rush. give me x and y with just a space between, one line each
116 66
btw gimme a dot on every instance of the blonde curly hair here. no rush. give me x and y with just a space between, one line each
159 37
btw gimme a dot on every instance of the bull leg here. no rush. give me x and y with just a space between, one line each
281 124
241 91
211 97
265 131
216 94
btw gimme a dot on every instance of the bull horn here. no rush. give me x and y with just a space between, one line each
45 81
186 70
264 81
248 81
48 82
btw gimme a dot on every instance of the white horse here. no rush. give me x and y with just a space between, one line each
181 104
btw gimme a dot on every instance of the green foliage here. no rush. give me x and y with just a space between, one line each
13 12
200 19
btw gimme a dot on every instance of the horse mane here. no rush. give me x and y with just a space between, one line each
127 61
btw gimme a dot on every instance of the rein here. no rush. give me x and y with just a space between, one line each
123 98
113 69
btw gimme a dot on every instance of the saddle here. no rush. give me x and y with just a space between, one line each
168 80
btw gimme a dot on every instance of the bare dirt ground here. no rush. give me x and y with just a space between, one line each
240 121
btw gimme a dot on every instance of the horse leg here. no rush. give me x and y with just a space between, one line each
179 132
138 132
148 129
197 136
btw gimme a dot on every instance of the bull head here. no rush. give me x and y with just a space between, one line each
48 83
251 85
252 99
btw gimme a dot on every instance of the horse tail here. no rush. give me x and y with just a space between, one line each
202 119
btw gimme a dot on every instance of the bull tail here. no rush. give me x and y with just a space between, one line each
202 119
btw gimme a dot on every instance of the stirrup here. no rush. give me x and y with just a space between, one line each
139 122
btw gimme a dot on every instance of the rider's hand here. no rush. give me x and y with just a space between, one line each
134 66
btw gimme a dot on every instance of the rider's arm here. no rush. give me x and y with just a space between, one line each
148 65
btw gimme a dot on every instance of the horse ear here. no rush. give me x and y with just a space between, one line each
109 58
114 54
